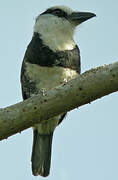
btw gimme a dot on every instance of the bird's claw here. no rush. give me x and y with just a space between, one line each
43 91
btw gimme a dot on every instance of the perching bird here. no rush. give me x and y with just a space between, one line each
52 58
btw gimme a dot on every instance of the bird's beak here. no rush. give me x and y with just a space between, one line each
79 17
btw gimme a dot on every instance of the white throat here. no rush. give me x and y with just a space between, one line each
57 33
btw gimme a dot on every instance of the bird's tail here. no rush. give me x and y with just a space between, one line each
41 154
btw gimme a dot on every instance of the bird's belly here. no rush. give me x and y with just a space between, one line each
49 77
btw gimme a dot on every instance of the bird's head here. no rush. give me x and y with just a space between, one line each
59 21
58 14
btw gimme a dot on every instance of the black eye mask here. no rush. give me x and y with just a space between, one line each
56 12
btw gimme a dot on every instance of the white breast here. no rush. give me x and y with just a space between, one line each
49 77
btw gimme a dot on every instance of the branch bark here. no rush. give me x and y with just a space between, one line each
89 86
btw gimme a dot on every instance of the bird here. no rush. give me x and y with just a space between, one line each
51 59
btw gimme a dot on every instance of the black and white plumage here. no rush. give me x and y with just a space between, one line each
51 58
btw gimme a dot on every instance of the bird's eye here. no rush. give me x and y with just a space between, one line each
57 11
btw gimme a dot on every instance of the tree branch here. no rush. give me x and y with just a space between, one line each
88 87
